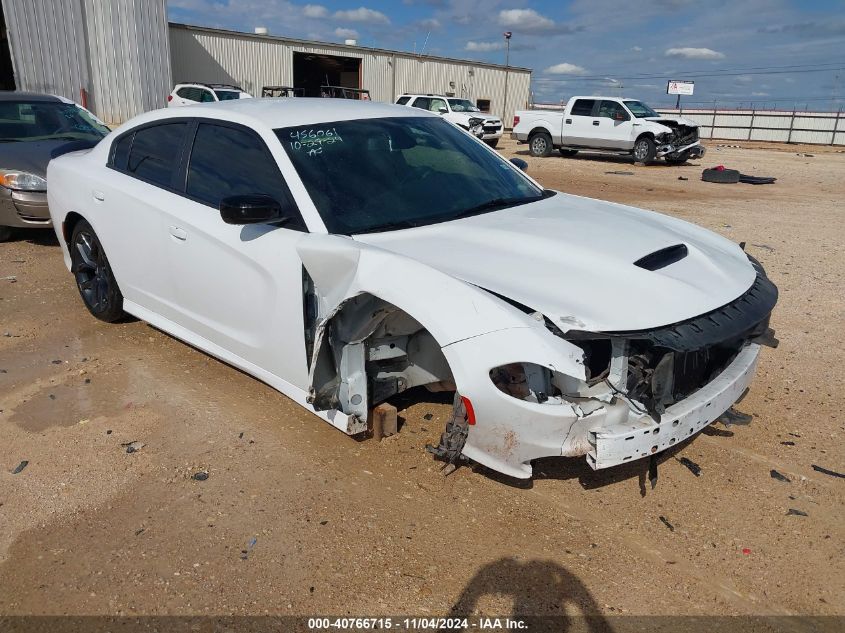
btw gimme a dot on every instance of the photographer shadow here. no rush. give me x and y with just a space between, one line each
544 596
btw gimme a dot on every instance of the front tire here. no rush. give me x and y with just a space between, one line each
540 145
644 150
493 142
94 278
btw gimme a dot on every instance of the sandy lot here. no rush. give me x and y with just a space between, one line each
296 518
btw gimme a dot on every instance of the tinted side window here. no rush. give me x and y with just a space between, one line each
227 162
188 93
120 151
422 103
402 100
205 96
154 156
583 107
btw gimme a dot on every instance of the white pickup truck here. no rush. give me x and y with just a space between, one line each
608 124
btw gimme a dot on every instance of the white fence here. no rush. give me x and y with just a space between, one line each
822 128
784 126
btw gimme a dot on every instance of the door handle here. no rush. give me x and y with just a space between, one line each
636 124
569 121
99 196
595 122
179 234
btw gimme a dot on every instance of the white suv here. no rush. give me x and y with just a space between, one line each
192 94
460 112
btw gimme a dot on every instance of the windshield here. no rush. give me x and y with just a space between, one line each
463 105
373 175
227 95
47 120
640 110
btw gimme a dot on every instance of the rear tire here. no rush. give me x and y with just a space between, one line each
94 278
540 145
493 142
644 150
5 233
568 153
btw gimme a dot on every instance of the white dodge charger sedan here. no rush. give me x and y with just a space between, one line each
343 252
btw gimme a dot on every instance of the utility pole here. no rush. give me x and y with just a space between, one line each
507 35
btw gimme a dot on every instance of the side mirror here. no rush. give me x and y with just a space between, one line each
520 163
443 110
620 116
250 209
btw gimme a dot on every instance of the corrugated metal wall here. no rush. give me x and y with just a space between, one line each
129 52
118 51
207 55
47 42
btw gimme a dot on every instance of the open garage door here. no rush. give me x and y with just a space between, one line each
310 71
7 75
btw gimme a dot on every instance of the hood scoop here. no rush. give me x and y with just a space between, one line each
662 258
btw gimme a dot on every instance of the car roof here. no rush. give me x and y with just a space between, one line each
278 113
14 95
200 84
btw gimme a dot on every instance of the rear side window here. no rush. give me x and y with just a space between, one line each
403 100
583 107
154 155
192 94
226 161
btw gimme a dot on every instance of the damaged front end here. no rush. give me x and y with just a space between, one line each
644 391
680 142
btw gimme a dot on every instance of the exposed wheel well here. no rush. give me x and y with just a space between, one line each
538 130
69 223
370 350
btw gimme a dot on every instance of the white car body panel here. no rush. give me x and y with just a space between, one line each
236 292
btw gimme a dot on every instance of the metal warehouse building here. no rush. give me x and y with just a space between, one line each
253 61
122 57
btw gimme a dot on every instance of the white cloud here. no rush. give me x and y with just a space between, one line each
346 33
759 94
527 19
565 68
430 23
637 49
694 53
484 47
314 11
362 14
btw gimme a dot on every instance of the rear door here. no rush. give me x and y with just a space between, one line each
238 287
146 164
578 127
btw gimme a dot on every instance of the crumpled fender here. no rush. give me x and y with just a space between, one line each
476 331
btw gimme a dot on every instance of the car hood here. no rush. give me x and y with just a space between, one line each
673 119
572 259
33 156
466 116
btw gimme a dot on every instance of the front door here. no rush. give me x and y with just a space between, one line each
615 129
238 287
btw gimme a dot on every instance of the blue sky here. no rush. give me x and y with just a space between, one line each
775 53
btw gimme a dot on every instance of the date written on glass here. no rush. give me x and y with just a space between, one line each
312 140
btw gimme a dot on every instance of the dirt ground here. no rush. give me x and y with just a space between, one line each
297 518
